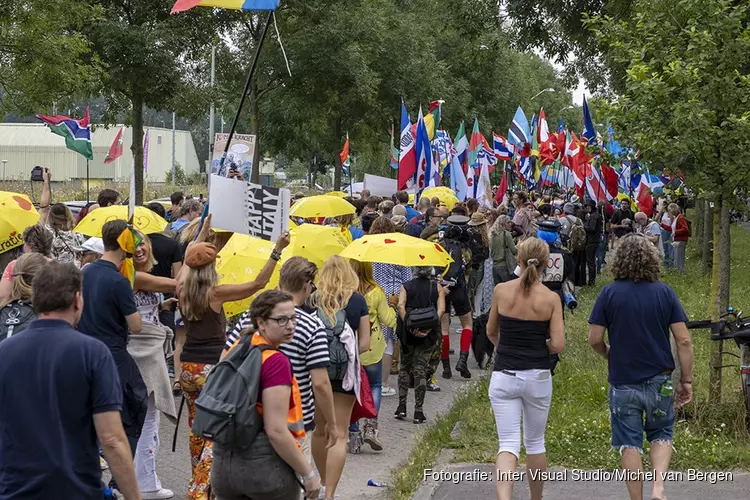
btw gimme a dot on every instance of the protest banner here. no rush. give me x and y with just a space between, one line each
245 208
380 186
239 156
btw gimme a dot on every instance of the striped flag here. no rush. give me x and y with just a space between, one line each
77 133
461 144
344 156
504 150
519 133
247 5
407 159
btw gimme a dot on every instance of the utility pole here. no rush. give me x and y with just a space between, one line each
174 146
212 109
4 163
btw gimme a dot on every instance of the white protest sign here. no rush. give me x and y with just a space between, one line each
555 269
241 207
380 186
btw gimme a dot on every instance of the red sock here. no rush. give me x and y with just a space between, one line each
446 347
465 339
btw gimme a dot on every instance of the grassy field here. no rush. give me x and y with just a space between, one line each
707 436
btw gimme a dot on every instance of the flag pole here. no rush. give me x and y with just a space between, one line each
244 96
88 196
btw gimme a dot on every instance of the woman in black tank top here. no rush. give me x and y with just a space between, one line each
526 326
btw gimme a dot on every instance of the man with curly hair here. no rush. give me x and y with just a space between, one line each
638 311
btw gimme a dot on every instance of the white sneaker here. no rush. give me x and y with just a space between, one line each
161 494
322 494
388 391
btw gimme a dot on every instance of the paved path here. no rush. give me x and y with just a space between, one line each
474 484
397 437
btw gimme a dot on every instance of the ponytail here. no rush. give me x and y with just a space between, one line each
533 256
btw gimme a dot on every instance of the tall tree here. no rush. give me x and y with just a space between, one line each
684 101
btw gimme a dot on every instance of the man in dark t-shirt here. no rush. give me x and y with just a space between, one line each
638 311
59 395
109 316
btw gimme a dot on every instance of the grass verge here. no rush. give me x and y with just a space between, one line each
707 435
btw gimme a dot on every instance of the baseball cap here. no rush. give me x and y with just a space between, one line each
95 245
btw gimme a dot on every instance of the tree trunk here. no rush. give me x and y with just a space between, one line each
700 208
708 236
137 146
255 130
719 291
336 148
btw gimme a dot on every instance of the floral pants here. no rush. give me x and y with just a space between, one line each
192 380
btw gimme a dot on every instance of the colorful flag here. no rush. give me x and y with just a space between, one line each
610 179
247 5
595 185
394 151
475 146
502 189
458 181
484 186
589 133
461 144
77 133
623 178
560 126
519 133
116 149
407 160
443 151
145 151
423 153
504 150
344 156
432 119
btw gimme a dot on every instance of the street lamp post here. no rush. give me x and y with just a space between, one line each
4 163
550 89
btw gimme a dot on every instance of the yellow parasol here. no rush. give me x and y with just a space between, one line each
243 257
398 249
337 194
144 220
16 214
321 206
444 194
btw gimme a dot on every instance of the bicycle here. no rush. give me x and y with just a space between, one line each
732 326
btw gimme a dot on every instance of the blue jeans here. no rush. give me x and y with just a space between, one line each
666 237
375 378
638 408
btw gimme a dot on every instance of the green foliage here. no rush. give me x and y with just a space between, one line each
684 98
707 435
44 58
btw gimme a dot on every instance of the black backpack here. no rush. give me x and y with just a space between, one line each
225 411
15 318
338 356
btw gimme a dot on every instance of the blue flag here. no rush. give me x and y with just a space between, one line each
589 133
519 133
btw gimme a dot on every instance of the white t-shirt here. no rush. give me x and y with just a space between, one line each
654 229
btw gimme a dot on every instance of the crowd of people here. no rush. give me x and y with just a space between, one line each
128 345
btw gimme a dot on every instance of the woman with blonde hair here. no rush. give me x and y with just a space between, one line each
201 302
380 312
344 312
16 311
526 326
149 350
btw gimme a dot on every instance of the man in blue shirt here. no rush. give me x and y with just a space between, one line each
638 312
189 211
59 395
403 199
109 315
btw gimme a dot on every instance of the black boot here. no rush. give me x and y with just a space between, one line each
447 368
401 411
419 417
461 366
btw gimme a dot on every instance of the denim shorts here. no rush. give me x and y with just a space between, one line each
638 408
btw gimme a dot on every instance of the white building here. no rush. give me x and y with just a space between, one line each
25 145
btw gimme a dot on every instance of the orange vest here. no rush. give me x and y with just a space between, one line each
294 419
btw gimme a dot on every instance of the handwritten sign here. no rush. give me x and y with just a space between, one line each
555 269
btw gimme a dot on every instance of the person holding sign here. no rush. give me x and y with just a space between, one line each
201 302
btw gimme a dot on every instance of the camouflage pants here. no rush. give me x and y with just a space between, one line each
415 365
435 358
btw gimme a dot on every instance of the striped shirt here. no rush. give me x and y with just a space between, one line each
307 350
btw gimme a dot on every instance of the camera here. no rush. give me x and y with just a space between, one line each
37 174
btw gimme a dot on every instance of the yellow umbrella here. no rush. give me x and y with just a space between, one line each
292 224
315 243
444 194
398 249
16 214
240 261
244 256
321 206
143 219
337 194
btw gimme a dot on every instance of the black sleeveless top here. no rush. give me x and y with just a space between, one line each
523 345
420 292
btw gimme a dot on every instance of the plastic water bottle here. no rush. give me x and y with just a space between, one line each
371 482
108 494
